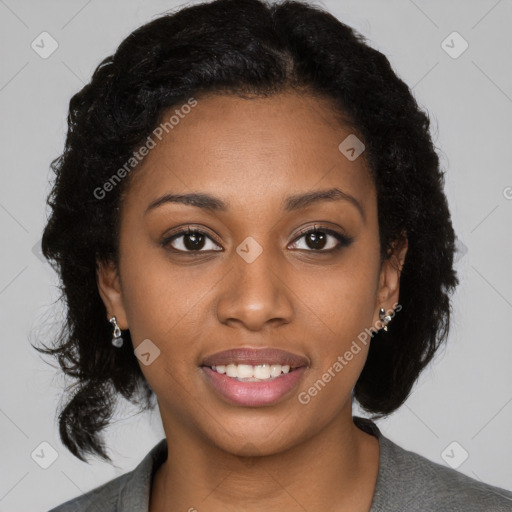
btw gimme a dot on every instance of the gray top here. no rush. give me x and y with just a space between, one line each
406 482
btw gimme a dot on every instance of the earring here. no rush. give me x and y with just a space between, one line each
117 339
385 318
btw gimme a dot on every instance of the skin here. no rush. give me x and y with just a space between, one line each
252 154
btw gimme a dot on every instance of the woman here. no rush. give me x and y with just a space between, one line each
250 207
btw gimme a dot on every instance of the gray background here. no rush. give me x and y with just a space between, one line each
464 396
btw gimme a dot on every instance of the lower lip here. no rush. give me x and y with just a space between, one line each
253 394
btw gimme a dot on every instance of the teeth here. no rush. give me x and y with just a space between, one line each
245 371
250 372
261 371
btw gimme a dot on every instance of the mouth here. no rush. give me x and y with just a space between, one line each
254 377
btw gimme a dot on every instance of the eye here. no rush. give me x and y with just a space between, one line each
193 240
317 239
196 240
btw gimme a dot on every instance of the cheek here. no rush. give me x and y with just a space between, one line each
341 299
339 307
341 338
164 302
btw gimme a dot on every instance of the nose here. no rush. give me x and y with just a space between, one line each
256 292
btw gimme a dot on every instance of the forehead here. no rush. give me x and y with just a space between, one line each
250 149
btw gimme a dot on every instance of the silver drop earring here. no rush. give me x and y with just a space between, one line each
385 318
117 339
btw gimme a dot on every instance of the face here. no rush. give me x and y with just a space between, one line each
250 274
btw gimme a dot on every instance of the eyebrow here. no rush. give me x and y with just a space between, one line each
291 203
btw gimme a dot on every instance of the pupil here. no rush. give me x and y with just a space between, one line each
318 240
194 241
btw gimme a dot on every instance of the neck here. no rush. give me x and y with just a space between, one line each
336 469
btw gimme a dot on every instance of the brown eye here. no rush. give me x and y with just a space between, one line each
322 240
190 240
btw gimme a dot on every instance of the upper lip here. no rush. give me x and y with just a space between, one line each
255 356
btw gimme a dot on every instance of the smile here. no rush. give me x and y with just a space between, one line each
253 377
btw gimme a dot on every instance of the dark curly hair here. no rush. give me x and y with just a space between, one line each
241 47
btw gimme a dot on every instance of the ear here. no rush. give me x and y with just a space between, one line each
109 287
389 279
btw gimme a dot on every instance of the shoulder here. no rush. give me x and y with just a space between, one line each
409 482
428 486
129 491
102 498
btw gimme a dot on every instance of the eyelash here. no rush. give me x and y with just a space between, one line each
343 240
